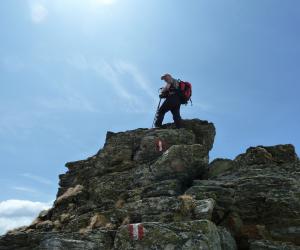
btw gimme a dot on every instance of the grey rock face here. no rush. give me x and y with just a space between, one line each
268 245
257 194
138 177
197 234
154 189
226 239
96 239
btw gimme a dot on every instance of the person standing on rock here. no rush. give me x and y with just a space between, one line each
172 102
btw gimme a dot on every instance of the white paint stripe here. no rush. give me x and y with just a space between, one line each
160 146
136 231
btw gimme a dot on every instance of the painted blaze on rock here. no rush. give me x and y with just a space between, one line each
136 231
160 145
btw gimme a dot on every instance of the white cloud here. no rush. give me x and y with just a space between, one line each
11 223
38 12
21 208
16 213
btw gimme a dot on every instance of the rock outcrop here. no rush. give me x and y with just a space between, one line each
155 189
257 196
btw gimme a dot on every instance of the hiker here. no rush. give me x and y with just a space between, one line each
172 102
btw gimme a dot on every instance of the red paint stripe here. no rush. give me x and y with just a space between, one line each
140 231
130 228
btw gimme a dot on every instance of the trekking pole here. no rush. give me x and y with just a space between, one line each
155 117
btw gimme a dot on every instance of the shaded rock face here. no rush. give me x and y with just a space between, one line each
257 196
154 189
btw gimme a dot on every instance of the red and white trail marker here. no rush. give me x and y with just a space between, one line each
160 145
136 231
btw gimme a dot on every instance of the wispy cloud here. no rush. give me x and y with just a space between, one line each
37 178
15 213
137 75
38 12
109 72
129 90
25 189
133 90
70 101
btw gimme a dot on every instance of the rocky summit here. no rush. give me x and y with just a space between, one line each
155 189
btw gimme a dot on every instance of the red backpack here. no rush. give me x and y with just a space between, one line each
185 91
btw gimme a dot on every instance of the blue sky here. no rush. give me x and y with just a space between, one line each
70 70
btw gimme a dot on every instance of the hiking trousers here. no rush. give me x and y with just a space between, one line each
172 103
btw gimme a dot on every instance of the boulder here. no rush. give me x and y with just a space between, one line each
198 234
220 166
257 194
265 155
183 162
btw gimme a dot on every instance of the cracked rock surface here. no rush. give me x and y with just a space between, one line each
155 189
